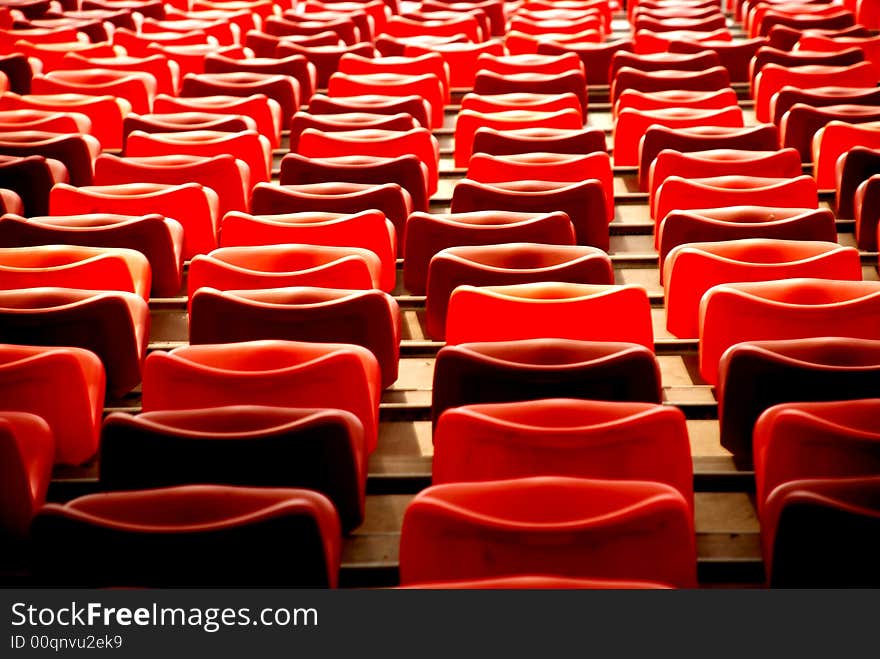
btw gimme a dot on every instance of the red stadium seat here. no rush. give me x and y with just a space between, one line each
275 373
240 445
699 61
580 527
543 64
692 269
427 85
507 263
429 63
707 80
32 177
735 56
284 89
44 120
596 57
191 204
75 152
867 213
348 121
788 309
647 41
191 58
373 104
546 140
834 140
160 239
461 57
325 58
572 82
801 123
266 112
520 101
674 98
853 167
818 97
585 312
138 88
27 447
795 58
295 66
168 537
369 318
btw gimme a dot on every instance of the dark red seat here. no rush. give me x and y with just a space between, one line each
544 140
790 59
573 82
160 239
264 111
294 66
699 61
709 79
596 57
265 45
853 167
240 445
415 106
427 234
27 452
507 263
785 38
284 89
75 152
168 537
369 318
344 28
18 72
179 122
735 56
570 526
325 58
31 178
520 101
348 121
819 97
834 140
802 122
867 213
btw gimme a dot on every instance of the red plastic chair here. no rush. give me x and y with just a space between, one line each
228 176
75 152
220 30
372 142
468 122
138 88
368 230
389 198
63 386
325 58
249 146
364 26
51 55
278 266
274 373
348 121
266 112
697 62
674 98
295 66
716 21
535 369
707 80
368 318
568 526
543 64
27 447
461 57
44 120
507 263
520 101
398 26
564 437
547 309
789 309
72 266
167 537
265 45
801 123
834 140
343 27
376 104
520 22
191 204
160 239
31 178
631 126
764 137
595 57
692 269
820 43
284 89
427 234
428 86
191 58
867 213
853 168
648 41
735 56
677 193
572 82
240 445
534 140
795 58
520 43
833 20
493 10
818 97
429 63
774 77
178 122
756 375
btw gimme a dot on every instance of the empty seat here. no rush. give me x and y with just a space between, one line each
520 101
240 445
547 140
817 42
18 71
631 125
855 166
429 63
507 263
344 28
412 105
461 57
72 266
295 66
191 204
800 57
834 140
284 89
65 387
427 234
801 123
225 174
572 82
699 61
427 85
169 536
370 318
596 57
44 120
27 447
735 56
692 269
675 98
787 309
158 238
567 526
564 437
138 88
325 58
75 152
584 312
544 64
368 229
389 198
648 41
783 100
31 178
275 373
584 202
347 121
265 111
190 58
709 79
165 74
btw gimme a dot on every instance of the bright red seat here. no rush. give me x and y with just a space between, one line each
564 437
545 140
160 239
73 266
51 55
819 97
398 26
662 62
716 21
544 64
275 373
220 30
191 204
389 198
832 20
756 375
631 126
277 266
507 263
520 43
526 25
820 43
240 445
795 58
834 140
648 41
168 537
363 21
567 526
190 58
584 312
32 177
675 98
225 174
413 105
428 86
265 45
692 269
572 82
138 88
427 234
710 79
429 63
348 121
520 101
774 77
584 202
27 447
788 309
265 111
596 57
44 120
468 122
75 152
137 44
63 386
369 318
343 27
368 230
325 58
284 89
